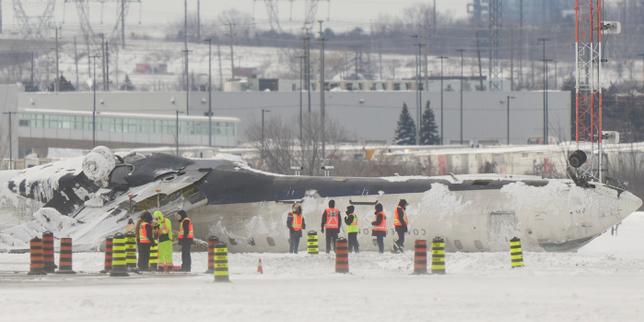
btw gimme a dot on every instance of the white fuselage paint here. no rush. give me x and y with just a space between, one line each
558 216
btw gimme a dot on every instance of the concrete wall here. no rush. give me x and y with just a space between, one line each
366 115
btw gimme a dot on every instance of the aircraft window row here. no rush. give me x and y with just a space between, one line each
125 125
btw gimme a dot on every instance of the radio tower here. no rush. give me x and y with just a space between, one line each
588 57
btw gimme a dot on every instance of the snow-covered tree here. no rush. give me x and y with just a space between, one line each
406 130
428 127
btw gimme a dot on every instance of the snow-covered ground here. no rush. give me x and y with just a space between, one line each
604 281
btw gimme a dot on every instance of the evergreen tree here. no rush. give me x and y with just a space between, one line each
406 130
63 85
127 84
428 127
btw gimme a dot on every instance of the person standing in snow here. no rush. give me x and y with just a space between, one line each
295 223
185 237
331 223
351 219
164 233
379 227
145 240
400 224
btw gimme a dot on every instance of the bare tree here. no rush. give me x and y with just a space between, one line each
280 147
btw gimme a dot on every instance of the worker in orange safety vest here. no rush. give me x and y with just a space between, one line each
145 240
185 237
379 227
331 223
400 225
295 223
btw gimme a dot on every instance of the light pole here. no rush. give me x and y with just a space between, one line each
418 92
94 101
209 40
461 51
545 91
442 127
301 59
176 130
507 118
10 138
321 86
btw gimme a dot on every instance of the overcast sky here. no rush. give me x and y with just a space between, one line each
342 13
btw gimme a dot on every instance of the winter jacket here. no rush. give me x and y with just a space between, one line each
324 222
289 224
378 222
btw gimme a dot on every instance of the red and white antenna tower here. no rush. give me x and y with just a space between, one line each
589 38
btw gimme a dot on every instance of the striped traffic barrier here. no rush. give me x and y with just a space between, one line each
438 255
130 256
119 256
65 259
36 264
221 263
516 253
312 242
341 256
420 256
153 262
212 241
107 264
48 251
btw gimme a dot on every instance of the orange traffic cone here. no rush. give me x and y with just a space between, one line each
260 269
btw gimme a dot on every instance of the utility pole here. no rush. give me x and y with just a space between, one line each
301 60
321 88
508 118
221 72
198 19
10 114
185 50
209 91
32 68
545 91
642 56
442 90
307 72
478 54
57 80
521 43
232 49
419 100
461 51
511 60
176 129
107 66
76 64
94 102
123 24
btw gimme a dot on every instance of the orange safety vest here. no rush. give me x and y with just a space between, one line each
383 224
297 222
397 222
143 233
332 218
182 234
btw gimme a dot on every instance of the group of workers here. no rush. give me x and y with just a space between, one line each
156 230
332 222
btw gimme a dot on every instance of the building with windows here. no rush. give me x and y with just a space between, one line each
40 129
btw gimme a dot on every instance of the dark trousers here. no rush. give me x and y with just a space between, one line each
353 242
144 256
381 243
294 241
401 237
186 259
331 237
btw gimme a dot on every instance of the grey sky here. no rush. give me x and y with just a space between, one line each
342 13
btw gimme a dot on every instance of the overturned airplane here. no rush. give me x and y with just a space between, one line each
247 208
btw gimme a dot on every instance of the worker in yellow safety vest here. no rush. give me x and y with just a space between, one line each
351 219
295 223
185 237
163 227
